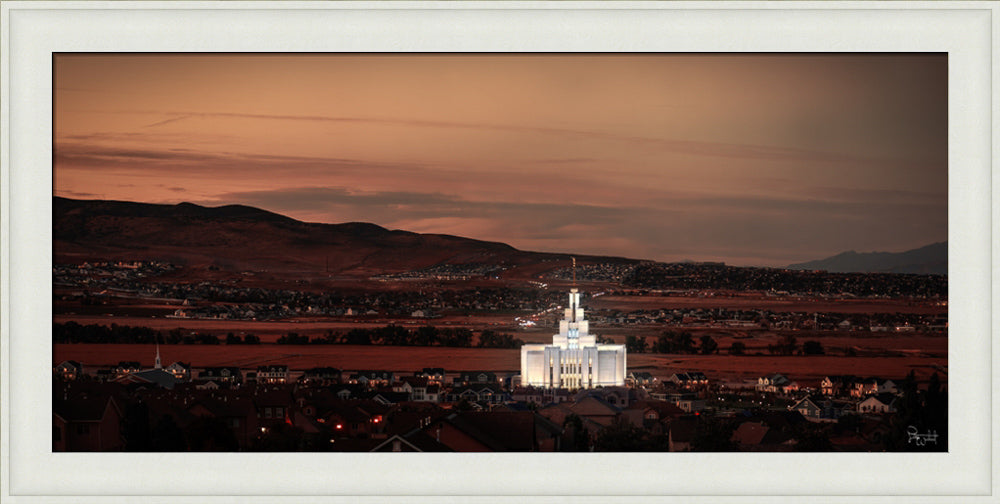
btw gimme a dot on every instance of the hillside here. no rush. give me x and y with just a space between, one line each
241 238
244 238
932 259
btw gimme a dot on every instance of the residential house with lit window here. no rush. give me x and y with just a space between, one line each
69 370
274 373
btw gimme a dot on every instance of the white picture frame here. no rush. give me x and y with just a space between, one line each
32 31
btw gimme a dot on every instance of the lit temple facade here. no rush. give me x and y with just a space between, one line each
574 359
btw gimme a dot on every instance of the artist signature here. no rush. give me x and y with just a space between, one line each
921 439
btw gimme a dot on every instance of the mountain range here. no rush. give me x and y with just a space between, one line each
242 238
931 259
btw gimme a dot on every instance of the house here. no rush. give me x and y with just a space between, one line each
497 431
236 411
356 418
688 379
69 370
274 373
87 423
681 379
640 379
157 377
697 378
322 376
878 403
371 378
690 404
397 443
480 393
208 385
809 407
789 388
125 367
529 395
772 383
432 394
886 386
872 385
273 405
388 398
418 389
475 377
681 433
345 391
835 385
222 375
180 370
821 409
759 436
618 397
650 415
595 409
433 375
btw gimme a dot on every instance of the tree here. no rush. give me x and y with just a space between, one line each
812 347
576 436
135 427
211 434
357 336
251 339
635 344
232 339
737 348
426 336
714 436
674 342
167 436
708 345
620 436
460 337
786 345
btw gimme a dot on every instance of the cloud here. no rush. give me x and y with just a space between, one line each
166 121
75 194
99 157
697 148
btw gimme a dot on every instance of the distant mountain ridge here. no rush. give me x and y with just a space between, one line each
931 259
243 238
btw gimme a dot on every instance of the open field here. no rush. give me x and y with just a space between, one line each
808 370
758 302
270 330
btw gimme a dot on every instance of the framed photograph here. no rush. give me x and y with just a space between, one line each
562 212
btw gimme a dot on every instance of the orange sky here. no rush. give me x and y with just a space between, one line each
748 159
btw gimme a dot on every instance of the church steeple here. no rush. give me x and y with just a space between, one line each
157 365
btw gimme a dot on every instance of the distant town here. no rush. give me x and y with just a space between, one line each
251 368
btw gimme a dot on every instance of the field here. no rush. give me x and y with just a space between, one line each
807 369
758 302
862 353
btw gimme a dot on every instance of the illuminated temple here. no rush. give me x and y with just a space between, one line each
574 359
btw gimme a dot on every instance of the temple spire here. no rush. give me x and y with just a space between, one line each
574 271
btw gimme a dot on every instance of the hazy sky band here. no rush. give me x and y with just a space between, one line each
750 159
